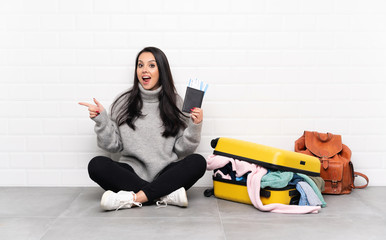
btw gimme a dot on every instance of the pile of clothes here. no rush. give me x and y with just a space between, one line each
257 177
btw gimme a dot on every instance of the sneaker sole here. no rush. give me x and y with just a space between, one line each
104 200
184 199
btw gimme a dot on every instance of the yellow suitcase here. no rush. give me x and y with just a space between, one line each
237 192
265 156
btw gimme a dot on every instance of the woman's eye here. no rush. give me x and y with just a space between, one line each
152 65
140 65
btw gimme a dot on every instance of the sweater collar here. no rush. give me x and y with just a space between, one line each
149 95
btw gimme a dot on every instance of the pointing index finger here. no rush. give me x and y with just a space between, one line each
85 104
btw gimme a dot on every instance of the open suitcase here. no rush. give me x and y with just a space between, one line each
237 192
265 156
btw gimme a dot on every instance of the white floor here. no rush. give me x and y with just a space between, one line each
74 213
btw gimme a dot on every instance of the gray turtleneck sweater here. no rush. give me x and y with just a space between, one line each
145 149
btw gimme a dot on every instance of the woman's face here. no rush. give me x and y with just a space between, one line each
147 71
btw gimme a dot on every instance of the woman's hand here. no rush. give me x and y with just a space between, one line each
94 110
197 115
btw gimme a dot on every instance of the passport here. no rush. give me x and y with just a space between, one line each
193 98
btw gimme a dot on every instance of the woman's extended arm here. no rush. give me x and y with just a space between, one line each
190 138
107 131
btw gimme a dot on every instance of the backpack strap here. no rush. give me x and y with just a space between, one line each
356 174
323 137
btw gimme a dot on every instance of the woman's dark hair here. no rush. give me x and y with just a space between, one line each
129 104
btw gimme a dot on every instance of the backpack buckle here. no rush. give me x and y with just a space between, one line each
334 184
324 161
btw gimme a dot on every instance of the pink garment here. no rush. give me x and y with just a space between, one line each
240 167
253 184
223 176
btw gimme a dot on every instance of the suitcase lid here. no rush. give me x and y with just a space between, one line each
266 156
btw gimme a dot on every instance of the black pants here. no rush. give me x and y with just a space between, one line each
115 176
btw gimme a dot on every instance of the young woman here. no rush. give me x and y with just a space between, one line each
155 139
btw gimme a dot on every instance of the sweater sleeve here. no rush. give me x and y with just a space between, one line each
108 136
188 141
189 138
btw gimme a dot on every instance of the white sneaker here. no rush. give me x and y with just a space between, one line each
115 201
176 198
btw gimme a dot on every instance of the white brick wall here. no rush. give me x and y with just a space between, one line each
275 68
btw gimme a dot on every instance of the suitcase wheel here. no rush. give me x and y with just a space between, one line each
209 192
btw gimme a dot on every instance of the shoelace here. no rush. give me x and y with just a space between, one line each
164 201
161 204
125 203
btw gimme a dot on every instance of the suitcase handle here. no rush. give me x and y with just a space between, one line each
265 193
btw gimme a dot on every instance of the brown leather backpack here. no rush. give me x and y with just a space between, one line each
336 167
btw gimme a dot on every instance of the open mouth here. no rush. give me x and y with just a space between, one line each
146 79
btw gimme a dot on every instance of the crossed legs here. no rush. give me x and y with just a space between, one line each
115 176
